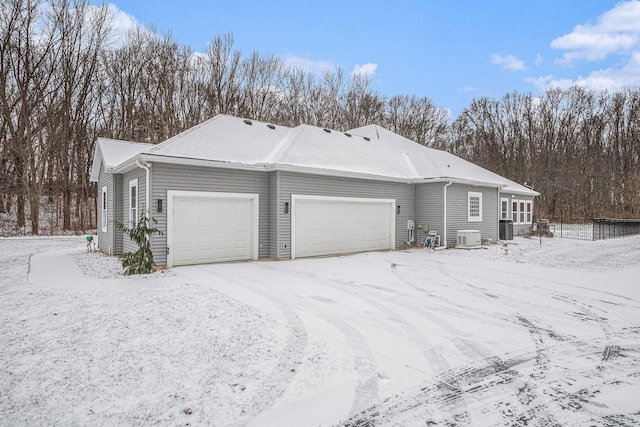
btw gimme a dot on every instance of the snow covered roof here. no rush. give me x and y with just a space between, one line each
225 139
113 152
438 164
369 151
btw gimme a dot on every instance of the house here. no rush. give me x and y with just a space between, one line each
238 189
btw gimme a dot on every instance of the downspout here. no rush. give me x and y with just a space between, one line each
499 211
146 166
444 210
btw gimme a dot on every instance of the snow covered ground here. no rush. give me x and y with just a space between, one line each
541 332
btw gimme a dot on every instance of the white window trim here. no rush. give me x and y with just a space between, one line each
470 195
133 217
104 200
505 214
521 211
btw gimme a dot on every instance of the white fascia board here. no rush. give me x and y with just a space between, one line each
94 176
460 181
340 174
153 158
265 167
268 167
530 193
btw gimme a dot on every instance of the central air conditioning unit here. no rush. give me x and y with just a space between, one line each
468 239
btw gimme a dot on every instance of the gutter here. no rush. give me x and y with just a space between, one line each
270 167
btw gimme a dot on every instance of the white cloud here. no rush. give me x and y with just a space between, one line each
539 60
308 65
611 79
508 62
592 46
368 69
121 23
616 31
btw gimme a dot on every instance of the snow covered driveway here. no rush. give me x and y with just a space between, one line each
545 334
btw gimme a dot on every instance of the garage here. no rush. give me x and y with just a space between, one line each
339 225
211 227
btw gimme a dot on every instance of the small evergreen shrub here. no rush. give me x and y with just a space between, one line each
141 261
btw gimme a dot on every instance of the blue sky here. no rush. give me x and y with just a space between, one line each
449 51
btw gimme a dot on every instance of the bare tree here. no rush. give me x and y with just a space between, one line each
223 87
27 63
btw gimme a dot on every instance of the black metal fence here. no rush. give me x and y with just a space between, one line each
590 229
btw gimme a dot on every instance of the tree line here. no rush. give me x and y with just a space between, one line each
66 80
579 148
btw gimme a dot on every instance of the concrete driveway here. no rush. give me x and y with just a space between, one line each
415 337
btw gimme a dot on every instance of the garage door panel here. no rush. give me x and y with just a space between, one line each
326 226
213 228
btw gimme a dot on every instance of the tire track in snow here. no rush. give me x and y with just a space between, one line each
546 280
540 410
279 379
366 393
447 389
436 360
556 389
530 392
586 311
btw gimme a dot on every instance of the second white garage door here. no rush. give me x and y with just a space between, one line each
338 225
211 227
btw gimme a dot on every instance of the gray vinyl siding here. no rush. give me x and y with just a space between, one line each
105 240
127 244
518 229
458 212
428 210
118 236
275 212
316 185
111 241
167 177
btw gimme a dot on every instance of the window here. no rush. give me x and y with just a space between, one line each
522 211
133 203
104 209
504 208
475 206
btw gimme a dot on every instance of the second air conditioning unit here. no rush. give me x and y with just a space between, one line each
468 239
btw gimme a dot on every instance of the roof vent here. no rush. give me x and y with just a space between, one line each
327 130
348 134
270 126
366 138
247 122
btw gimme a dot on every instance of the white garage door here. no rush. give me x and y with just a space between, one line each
337 225
211 227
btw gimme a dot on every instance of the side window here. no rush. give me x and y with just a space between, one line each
529 212
522 212
475 206
504 208
514 211
104 209
133 202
